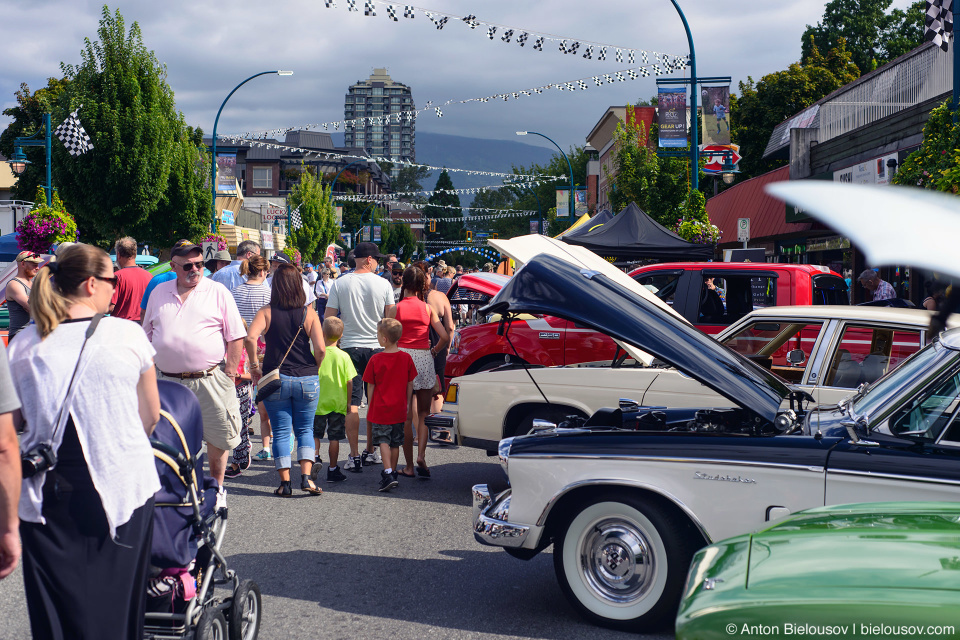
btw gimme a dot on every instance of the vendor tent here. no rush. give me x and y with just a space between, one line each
8 247
633 235
587 226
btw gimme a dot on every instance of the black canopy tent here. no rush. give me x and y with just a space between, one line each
633 235
601 218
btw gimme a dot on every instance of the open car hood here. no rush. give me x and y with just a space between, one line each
524 248
549 285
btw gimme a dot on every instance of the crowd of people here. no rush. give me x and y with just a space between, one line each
255 339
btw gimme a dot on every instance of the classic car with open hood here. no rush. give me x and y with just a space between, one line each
628 495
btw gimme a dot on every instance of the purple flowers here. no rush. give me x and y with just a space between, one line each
36 232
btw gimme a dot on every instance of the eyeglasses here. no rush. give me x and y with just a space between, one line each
190 266
113 280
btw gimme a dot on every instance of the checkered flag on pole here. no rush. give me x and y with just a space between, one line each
295 221
938 22
73 136
538 45
392 13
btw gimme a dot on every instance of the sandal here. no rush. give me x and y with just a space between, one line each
423 471
407 475
284 490
306 484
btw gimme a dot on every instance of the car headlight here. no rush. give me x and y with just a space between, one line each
503 451
453 392
455 342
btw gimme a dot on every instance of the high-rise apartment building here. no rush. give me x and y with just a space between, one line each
378 97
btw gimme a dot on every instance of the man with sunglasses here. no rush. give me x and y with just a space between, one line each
193 323
18 291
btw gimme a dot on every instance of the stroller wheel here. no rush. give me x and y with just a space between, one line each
212 625
245 611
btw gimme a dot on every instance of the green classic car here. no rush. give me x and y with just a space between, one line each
876 570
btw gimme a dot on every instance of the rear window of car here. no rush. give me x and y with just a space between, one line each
866 354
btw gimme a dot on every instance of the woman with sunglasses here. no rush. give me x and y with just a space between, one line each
86 523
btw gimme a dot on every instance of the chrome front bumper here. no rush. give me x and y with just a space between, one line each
442 428
491 524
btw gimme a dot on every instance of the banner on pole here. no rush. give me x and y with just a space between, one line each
226 173
338 216
376 232
672 116
534 226
563 202
716 115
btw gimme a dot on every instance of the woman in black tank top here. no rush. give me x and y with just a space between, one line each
290 329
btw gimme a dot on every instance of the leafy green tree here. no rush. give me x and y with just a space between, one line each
121 187
27 119
444 207
936 164
318 217
399 239
776 96
409 178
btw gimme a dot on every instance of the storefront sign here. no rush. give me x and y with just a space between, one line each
873 171
266 238
672 116
274 213
227 217
834 243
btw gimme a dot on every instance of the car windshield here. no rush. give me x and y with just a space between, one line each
883 388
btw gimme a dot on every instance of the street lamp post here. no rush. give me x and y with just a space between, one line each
213 156
18 162
694 132
569 166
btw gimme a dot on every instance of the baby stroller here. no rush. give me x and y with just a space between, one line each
188 532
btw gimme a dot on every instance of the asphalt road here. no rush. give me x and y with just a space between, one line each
354 563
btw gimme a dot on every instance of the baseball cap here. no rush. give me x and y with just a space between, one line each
184 248
29 256
308 266
367 250
280 257
397 267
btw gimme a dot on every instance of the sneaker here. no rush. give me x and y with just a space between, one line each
315 471
335 475
233 471
353 465
371 457
221 499
396 476
387 481
264 455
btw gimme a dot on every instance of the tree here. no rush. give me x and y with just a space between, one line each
410 178
936 164
873 37
399 239
317 214
444 207
123 186
28 119
776 96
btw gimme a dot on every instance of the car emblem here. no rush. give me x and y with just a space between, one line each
699 475
547 335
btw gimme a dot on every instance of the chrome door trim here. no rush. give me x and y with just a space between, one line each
892 476
739 463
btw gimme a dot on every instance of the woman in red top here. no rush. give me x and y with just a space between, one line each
417 317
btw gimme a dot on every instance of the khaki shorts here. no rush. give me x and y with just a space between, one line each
218 406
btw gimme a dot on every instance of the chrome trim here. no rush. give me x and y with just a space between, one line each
737 463
893 476
541 521
490 519
442 428
503 455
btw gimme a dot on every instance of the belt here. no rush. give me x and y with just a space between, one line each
190 375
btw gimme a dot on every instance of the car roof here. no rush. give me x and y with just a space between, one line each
920 317
814 269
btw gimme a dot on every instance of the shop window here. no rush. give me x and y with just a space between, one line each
262 177
864 354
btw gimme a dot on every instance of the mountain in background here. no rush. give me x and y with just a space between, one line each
479 154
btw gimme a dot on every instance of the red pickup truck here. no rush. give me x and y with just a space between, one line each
741 287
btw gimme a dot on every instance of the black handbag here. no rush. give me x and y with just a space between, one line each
270 382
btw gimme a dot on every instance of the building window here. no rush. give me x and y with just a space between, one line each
378 91
262 177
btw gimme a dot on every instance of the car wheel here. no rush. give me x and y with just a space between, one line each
622 563
211 625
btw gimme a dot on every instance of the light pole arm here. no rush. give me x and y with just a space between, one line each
334 183
213 147
569 166
694 92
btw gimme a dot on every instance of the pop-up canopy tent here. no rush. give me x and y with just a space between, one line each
8 247
586 226
633 235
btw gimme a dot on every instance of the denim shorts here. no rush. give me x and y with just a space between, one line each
389 434
334 424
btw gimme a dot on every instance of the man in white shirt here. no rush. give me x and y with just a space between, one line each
309 274
230 276
275 262
362 299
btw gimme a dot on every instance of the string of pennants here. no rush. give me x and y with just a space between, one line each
568 46
457 243
507 213
468 191
662 64
326 155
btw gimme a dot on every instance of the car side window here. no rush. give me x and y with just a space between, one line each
738 296
928 415
865 354
662 285
768 343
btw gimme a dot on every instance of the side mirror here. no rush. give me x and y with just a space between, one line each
856 431
796 356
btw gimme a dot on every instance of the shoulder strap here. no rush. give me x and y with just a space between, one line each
64 409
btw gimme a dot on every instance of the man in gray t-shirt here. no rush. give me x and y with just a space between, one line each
9 472
362 299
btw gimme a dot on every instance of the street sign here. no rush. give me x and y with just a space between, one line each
481 234
743 229
274 213
209 249
715 154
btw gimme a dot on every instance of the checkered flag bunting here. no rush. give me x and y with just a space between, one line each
330 3
507 35
522 38
492 31
619 55
583 85
439 113
938 22
369 9
392 13
603 54
295 221
538 45
645 72
471 20
352 5
588 52
619 76
72 135
632 74
408 11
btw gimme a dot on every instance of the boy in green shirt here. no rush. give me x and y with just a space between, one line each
336 382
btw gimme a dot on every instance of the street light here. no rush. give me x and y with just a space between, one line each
213 156
18 161
569 166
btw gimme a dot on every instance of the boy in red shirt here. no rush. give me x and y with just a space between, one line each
389 376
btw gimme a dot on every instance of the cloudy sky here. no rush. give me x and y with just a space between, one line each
209 47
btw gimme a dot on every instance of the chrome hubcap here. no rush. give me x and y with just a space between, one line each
250 614
617 561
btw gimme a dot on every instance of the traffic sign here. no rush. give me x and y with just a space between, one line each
743 229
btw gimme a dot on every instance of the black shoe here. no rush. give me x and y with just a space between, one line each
396 476
357 466
233 471
335 475
387 481
306 484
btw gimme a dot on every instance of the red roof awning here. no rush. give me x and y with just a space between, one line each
749 200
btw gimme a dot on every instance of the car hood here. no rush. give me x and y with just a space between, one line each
552 286
919 544
486 283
